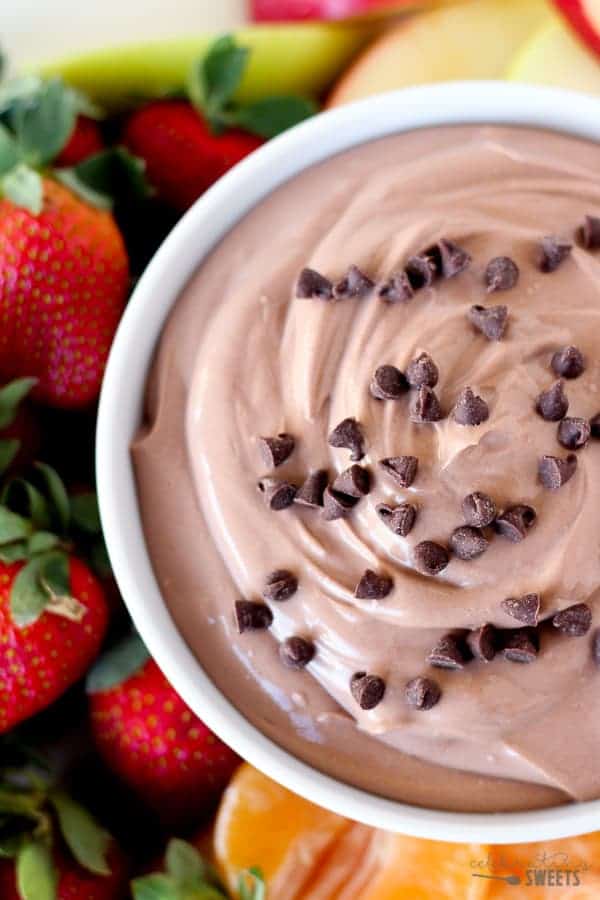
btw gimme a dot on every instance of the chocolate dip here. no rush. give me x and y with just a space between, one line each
243 357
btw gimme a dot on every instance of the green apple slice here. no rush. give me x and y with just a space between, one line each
286 59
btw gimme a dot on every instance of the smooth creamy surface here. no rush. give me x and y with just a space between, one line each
242 357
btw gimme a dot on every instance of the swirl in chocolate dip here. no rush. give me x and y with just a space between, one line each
368 479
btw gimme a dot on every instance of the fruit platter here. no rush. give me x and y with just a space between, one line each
111 785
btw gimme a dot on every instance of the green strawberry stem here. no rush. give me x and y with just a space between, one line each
214 82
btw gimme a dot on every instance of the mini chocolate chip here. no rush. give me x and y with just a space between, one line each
483 643
422 693
278 494
275 450
421 270
311 492
554 472
425 406
403 469
388 383
501 274
526 609
355 482
574 433
280 585
467 542
251 616
354 284
595 426
373 586
367 690
448 653
568 362
397 289
422 371
515 522
520 645
490 320
430 558
349 434
399 519
553 252
470 409
453 259
553 404
589 233
337 505
575 621
312 285
596 647
296 652
479 510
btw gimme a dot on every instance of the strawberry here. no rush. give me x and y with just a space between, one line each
188 877
53 614
149 737
85 140
63 284
51 847
188 146
183 158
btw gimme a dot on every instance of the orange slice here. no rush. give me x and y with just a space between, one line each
262 824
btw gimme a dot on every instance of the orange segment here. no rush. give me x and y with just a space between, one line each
413 869
262 824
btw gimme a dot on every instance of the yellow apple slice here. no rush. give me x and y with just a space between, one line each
584 18
285 59
470 40
553 56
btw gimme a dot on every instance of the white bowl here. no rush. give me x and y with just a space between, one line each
121 409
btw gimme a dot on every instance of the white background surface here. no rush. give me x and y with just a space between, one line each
42 29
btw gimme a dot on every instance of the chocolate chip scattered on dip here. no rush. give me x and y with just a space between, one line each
369 469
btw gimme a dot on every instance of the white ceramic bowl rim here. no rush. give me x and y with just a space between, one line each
120 414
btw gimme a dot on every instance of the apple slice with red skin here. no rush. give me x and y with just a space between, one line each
324 10
584 18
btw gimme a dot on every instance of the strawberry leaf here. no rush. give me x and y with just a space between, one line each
9 154
28 598
217 77
269 117
41 542
85 513
23 496
12 526
16 552
36 874
156 887
113 174
11 396
117 665
86 840
57 494
184 862
54 574
99 558
23 187
43 122
9 447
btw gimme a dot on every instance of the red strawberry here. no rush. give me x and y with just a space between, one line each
40 660
63 285
183 157
75 882
86 139
152 740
